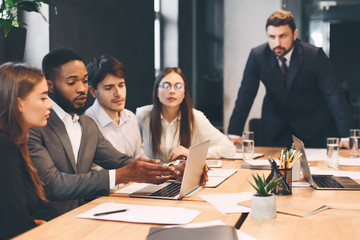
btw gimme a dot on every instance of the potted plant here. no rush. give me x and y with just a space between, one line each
12 37
263 204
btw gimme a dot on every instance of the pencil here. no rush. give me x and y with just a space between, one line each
296 159
287 158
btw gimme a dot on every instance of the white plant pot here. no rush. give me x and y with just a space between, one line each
263 207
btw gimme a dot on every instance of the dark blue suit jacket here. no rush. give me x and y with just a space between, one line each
311 97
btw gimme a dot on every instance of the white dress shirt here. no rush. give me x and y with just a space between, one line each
125 137
287 56
220 145
73 127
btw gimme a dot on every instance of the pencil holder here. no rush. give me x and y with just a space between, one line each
284 188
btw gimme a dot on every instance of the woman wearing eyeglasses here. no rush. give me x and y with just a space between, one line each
171 125
23 104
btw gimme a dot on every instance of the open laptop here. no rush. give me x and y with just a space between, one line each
191 179
322 182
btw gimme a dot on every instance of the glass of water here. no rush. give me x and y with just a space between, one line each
354 151
248 145
332 152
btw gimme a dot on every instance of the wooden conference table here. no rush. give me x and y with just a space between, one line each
329 224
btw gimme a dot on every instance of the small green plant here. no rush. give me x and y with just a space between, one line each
10 8
262 187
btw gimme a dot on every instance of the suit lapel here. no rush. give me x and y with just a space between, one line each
82 168
59 128
295 63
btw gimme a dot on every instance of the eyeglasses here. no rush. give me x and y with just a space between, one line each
167 86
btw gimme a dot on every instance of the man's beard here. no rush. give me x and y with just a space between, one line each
285 51
67 105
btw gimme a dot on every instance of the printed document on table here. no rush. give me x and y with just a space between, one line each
227 202
349 161
142 213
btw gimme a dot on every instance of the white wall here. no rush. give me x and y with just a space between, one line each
244 29
37 37
169 11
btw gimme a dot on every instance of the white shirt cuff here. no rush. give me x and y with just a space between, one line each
231 136
112 179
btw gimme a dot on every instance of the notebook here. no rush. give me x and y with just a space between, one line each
322 182
191 179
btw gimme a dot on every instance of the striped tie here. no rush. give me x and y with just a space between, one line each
283 67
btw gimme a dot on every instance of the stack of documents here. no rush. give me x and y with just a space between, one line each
257 164
142 213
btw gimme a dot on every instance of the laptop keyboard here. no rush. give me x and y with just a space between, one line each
170 190
326 181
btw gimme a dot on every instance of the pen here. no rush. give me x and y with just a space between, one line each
111 212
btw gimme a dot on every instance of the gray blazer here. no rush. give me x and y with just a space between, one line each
67 183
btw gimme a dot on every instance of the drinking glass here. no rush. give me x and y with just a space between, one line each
248 145
354 151
332 152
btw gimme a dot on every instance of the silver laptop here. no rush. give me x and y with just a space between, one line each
191 179
322 182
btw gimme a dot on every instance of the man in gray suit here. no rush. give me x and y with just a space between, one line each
65 148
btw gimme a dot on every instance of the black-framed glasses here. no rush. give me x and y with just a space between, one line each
167 86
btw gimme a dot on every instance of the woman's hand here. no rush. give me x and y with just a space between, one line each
179 152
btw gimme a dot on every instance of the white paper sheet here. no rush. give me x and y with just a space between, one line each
227 202
300 184
143 214
217 176
260 162
239 156
223 172
315 154
349 161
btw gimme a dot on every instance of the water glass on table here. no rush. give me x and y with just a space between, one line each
332 144
248 145
354 151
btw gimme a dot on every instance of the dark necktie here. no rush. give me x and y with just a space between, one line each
283 67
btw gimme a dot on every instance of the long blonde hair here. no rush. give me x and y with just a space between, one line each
17 80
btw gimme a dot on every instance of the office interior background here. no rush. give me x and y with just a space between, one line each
209 39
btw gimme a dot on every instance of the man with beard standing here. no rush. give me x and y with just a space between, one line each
65 148
303 96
